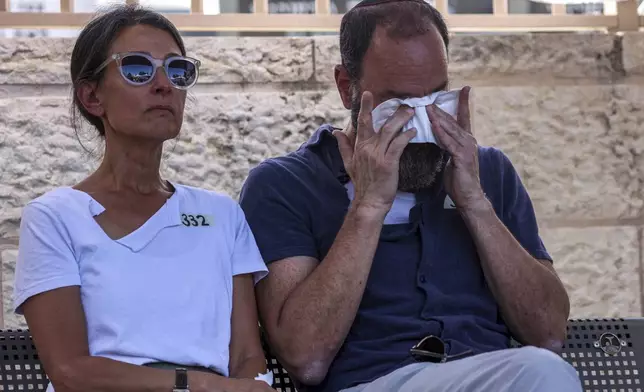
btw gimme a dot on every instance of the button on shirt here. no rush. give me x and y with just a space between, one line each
426 276
161 293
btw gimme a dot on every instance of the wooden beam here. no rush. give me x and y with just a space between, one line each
322 7
260 6
131 1
500 7
321 23
627 17
530 22
66 5
196 6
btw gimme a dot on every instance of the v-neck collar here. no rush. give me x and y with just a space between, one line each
168 215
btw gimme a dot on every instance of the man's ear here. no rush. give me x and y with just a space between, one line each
343 82
88 97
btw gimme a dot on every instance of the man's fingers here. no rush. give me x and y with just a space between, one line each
445 140
365 122
447 123
463 116
394 124
399 143
345 147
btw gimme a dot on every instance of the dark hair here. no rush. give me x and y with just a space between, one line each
93 44
401 18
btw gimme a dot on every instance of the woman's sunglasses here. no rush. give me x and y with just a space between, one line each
140 68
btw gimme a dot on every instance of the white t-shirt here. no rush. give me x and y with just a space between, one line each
161 293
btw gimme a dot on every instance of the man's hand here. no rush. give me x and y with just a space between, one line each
372 161
462 180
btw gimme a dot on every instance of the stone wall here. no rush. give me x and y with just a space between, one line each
567 108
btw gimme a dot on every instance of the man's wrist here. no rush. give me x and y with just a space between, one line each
205 382
368 213
476 207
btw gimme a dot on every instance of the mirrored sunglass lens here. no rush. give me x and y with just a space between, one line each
137 69
182 72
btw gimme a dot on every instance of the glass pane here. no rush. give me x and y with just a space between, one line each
470 6
528 7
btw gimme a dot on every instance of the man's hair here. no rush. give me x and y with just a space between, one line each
401 19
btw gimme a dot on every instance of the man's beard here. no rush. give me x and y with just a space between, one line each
420 163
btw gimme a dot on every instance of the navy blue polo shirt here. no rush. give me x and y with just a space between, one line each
426 277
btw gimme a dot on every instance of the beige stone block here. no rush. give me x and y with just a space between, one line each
40 151
35 60
538 57
8 260
253 60
224 60
327 56
633 53
600 269
577 149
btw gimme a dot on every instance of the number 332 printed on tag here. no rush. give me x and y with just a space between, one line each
195 220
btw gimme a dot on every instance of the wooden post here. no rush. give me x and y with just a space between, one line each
4 7
260 6
442 7
66 5
196 7
322 7
500 7
627 17
558 9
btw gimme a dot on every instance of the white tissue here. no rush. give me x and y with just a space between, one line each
266 377
446 100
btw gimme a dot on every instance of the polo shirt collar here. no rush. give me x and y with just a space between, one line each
326 146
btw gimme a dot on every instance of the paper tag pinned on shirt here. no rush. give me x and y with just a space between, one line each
196 220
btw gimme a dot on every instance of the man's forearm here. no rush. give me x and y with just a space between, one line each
317 316
532 299
249 367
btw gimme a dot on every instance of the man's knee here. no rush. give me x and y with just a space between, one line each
545 367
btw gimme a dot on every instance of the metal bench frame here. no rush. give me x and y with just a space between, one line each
607 353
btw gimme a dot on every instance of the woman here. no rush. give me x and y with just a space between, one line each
126 269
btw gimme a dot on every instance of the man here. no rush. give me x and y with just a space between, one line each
353 303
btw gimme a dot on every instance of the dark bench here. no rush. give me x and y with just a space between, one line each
607 353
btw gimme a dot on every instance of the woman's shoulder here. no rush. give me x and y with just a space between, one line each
205 198
59 199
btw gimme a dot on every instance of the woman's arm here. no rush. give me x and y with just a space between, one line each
246 355
57 323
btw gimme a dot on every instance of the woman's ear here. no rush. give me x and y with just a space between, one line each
88 97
